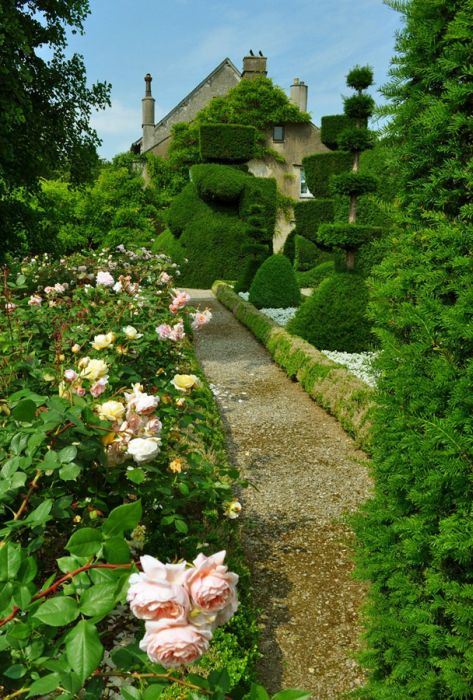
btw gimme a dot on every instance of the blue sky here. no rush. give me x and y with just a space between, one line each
182 41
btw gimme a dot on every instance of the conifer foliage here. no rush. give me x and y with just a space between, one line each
416 534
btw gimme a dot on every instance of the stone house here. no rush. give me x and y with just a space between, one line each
292 141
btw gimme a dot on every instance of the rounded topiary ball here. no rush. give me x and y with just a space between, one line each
275 285
334 317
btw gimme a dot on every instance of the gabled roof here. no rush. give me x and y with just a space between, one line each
225 62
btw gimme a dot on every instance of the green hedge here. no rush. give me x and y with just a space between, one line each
228 143
313 277
339 392
309 215
334 317
214 244
186 205
289 249
353 184
307 253
331 127
356 139
169 245
218 183
319 167
349 236
261 191
275 285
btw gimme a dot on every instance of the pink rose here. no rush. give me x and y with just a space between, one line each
164 331
35 300
159 591
212 586
171 644
70 375
177 332
79 390
99 387
164 278
104 278
10 307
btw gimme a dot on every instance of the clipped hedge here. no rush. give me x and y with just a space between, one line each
218 183
307 253
169 245
275 285
309 215
356 139
319 167
331 127
340 393
289 249
353 184
313 277
186 205
359 107
334 317
214 243
347 236
228 143
260 191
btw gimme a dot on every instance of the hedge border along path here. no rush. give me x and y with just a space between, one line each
308 476
343 395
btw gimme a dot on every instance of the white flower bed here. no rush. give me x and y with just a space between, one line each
358 363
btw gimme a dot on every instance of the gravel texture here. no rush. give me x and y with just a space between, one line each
307 476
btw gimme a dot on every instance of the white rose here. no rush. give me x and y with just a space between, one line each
131 333
103 341
95 369
143 449
111 410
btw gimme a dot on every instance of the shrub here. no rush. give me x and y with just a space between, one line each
169 245
275 285
218 183
356 139
309 215
354 183
334 317
347 236
260 191
360 77
313 277
331 127
359 107
307 253
320 166
227 143
289 249
185 206
214 244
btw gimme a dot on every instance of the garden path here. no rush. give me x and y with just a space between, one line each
308 475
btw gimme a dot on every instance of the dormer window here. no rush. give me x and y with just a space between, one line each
278 134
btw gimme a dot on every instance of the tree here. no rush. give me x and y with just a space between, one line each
45 104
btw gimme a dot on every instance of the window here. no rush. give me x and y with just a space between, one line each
278 133
304 190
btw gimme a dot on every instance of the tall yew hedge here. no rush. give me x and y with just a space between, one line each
416 533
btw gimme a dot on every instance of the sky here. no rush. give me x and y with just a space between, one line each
182 41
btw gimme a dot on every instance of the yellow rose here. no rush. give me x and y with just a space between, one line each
111 410
95 369
185 382
103 341
75 348
108 439
176 465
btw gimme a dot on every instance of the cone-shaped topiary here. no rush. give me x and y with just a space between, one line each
334 317
275 285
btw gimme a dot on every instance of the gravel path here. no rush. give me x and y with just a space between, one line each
307 475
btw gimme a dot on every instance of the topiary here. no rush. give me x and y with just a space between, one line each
309 215
227 143
313 277
186 205
218 183
334 317
307 253
169 245
289 248
275 285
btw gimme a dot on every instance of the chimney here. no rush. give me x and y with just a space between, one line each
148 115
299 94
254 66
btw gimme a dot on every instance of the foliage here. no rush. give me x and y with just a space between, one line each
346 236
220 183
165 180
307 254
330 128
356 139
429 95
359 107
275 285
360 77
309 215
320 166
289 249
353 184
260 192
226 143
313 277
167 244
334 316
184 207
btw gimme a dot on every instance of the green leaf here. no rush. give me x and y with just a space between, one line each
70 472
137 476
15 671
84 649
130 693
180 526
153 692
85 542
220 680
58 611
22 596
116 551
44 685
24 411
125 517
20 280
68 564
292 694
131 657
68 454
10 561
40 515
98 599
183 488
257 692
198 680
